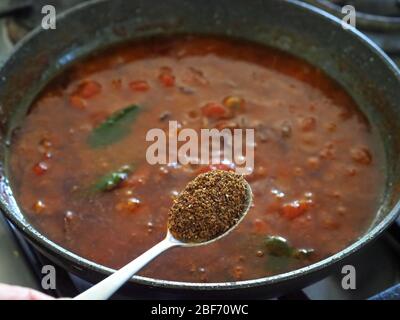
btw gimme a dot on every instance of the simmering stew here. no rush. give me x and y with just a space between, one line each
80 173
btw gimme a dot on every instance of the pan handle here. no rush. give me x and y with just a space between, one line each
5 44
9 7
392 293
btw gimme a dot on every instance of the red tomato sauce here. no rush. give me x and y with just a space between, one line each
318 165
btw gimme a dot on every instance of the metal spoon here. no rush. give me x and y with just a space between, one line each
106 288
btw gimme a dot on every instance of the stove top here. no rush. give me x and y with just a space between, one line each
21 264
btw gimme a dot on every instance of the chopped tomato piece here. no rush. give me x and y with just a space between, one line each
313 162
45 143
238 272
48 155
139 85
40 168
214 110
39 206
77 102
351 172
295 209
361 155
167 79
116 83
308 124
260 226
89 89
130 205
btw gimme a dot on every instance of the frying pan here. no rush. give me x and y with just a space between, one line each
350 58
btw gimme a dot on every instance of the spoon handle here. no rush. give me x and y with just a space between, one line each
105 289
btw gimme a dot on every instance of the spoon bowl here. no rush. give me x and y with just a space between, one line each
249 199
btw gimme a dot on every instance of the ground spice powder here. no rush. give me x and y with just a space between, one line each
209 206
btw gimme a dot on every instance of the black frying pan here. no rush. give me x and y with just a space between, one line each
347 56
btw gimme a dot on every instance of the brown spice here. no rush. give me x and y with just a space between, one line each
209 206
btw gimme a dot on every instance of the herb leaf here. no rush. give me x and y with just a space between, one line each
114 128
280 247
303 253
112 180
